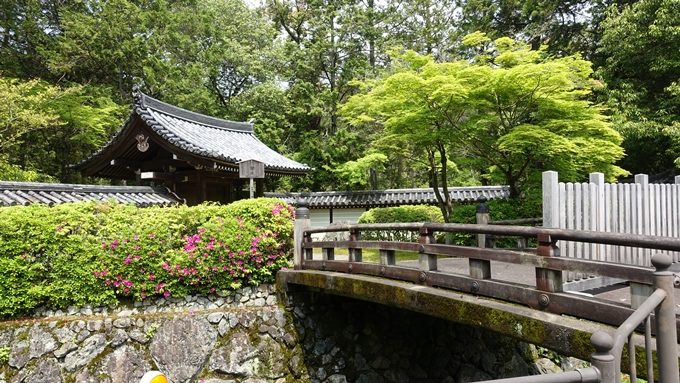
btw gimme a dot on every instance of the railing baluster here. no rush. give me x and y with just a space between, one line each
427 262
309 252
548 279
302 223
648 349
632 363
328 253
603 359
387 257
355 254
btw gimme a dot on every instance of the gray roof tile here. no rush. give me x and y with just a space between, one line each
215 142
26 193
392 197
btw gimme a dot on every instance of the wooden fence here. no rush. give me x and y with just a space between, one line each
637 208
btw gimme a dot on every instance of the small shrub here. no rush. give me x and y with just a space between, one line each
465 213
399 214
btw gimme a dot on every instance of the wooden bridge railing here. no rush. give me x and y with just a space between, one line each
545 293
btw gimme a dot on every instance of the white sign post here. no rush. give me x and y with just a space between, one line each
251 169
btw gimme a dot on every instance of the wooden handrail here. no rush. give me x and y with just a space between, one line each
621 239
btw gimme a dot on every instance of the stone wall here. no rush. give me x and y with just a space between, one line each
346 340
244 337
247 337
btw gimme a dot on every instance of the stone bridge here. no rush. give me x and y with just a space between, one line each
467 285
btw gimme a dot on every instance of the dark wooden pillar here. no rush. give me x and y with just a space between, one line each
259 187
202 184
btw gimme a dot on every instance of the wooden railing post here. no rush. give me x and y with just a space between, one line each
354 253
302 223
480 268
387 257
667 333
328 253
549 280
427 262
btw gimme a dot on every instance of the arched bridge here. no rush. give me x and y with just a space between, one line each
516 292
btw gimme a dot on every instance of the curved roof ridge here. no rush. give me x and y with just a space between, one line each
143 100
409 190
26 193
86 188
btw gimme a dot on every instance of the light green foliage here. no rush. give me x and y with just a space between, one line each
87 118
45 128
96 253
406 213
521 113
151 330
24 109
356 174
419 213
9 172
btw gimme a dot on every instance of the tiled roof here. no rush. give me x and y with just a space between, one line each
26 193
392 197
223 141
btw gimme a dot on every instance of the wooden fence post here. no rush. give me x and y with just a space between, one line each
481 268
639 292
551 200
302 223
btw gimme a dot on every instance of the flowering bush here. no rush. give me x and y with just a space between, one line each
98 253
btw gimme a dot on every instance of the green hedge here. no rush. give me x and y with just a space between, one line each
498 210
402 214
89 253
399 214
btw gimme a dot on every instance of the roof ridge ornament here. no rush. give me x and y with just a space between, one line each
137 95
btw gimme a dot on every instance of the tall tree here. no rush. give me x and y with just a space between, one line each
195 54
642 70
510 115
328 43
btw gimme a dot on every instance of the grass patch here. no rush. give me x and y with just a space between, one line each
370 255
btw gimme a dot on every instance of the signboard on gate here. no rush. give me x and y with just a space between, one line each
251 169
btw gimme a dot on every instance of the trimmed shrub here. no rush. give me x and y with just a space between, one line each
418 213
499 210
89 253
399 214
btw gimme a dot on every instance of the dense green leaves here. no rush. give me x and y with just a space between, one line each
642 71
290 65
46 128
91 253
24 109
510 114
